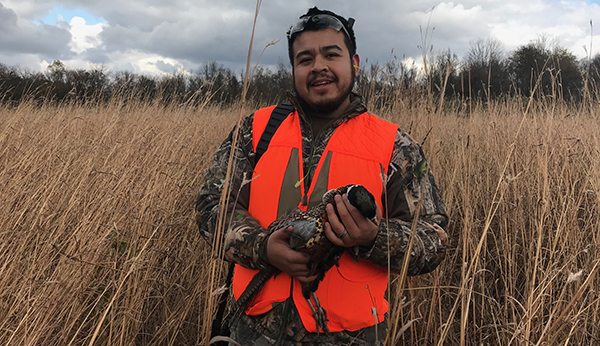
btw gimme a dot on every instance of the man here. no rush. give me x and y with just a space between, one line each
328 141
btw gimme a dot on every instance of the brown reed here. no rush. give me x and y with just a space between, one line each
99 244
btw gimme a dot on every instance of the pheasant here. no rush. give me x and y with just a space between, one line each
308 236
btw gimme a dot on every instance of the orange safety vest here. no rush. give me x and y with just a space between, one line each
359 152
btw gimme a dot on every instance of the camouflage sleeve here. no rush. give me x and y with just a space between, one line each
406 175
243 240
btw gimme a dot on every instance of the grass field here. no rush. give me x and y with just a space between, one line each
98 242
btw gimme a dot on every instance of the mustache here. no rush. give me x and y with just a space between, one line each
321 75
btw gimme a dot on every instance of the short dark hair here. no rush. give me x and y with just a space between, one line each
349 40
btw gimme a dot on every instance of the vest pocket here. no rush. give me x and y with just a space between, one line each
353 290
358 272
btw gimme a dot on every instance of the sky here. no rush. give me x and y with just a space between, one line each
167 36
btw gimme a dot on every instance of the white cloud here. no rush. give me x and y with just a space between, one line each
29 10
144 63
172 34
18 36
84 36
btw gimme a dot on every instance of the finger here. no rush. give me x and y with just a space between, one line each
439 231
345 216
357 216
361 230
298 270
361 221
378 214
332 236
334 221
436 228
297 258
282 234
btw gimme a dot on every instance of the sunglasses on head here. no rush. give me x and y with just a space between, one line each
320 21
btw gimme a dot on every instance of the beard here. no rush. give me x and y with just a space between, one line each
329 105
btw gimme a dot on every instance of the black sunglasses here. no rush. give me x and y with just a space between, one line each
319 21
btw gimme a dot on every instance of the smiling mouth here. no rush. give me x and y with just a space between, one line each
321 83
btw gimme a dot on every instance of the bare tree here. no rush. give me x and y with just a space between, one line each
485 70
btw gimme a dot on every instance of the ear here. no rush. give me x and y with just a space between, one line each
356 64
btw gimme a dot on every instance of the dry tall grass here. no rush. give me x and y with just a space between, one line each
99 245
98 241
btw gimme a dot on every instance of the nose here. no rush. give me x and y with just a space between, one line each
320 64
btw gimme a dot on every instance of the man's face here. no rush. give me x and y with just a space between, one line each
323 71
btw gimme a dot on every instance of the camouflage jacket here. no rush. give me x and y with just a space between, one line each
245 240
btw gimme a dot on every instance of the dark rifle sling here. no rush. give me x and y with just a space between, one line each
277 117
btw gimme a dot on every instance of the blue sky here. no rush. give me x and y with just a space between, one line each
68 13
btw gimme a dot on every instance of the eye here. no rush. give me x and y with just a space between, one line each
332 55
304 61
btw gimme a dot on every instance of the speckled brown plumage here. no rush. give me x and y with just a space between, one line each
308 236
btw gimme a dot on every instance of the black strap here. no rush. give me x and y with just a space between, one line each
277 117
218 327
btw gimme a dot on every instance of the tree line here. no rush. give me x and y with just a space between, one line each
539 68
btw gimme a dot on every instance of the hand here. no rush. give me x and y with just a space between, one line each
439 232
359 230
289 261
